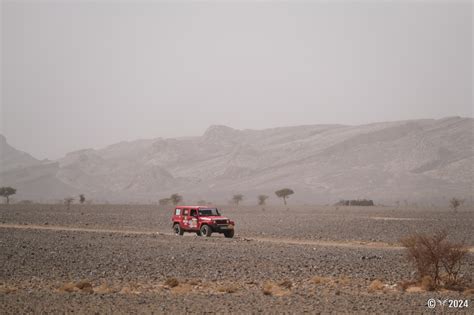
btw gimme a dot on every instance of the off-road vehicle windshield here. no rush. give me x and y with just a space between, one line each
209 212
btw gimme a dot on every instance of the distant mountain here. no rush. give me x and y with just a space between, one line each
11 158
418 160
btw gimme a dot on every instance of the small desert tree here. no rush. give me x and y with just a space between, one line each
236 199
433 253
455 203
6 192
68 201
284 193
82 198
176 198
262 199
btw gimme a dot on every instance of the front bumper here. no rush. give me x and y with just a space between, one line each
222 227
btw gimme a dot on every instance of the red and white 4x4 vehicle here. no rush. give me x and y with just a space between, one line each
201 220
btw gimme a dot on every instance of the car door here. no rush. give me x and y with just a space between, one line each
193 219
185 219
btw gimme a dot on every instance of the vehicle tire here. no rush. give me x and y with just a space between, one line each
229 234
198 233
177 229
206 230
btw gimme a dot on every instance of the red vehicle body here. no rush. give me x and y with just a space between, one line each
202 220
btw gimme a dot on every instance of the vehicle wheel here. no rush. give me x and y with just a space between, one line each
206 230
177 229
229 234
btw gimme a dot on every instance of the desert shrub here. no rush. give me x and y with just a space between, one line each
277 288
236 199
427 283
171 282
267 288
82 198
81 286
194 281
455 203
287 284
68 201
376 285
228 288
320 280
262 199
431 254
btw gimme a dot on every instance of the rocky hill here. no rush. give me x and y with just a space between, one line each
425 161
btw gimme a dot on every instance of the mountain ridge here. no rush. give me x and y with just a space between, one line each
424 160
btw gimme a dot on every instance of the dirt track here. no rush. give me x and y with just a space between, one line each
348 244
126 254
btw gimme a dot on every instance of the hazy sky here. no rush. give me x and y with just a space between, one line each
87 74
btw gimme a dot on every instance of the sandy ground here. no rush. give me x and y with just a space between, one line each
124 259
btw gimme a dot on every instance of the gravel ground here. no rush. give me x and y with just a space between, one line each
385 224
58 271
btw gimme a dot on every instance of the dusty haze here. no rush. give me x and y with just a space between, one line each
88 74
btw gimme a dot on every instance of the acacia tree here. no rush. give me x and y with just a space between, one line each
6 192
284 193
262 199
236 199
82 198
176 198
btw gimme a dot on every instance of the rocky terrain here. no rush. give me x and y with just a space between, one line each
418 161
124 259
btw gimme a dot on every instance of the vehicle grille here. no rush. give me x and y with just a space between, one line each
221 221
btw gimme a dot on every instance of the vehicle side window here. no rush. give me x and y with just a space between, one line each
193 212
185 211
177 211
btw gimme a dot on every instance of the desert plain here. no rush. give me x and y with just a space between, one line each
124 259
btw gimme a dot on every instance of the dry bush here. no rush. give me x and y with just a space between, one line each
227 288
194 281
277 289
320 280
171 282
404 285
432 254
455 203
343 280
287 284
267 288
81 286
103 289
427 283
183 288
130 289
376 285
